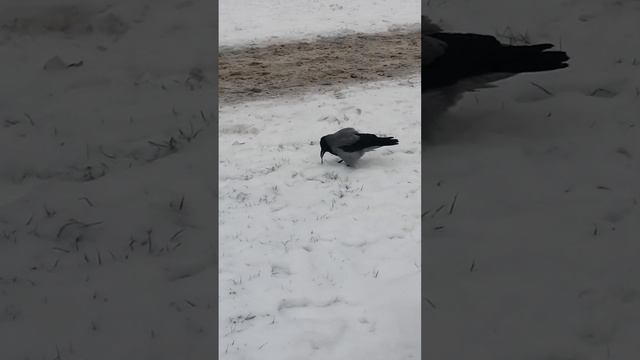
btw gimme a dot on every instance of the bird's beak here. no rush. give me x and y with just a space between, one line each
321 155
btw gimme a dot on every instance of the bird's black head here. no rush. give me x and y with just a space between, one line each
324 147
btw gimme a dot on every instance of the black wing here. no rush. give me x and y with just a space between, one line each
367 141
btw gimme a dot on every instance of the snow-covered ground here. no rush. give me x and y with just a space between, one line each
256 21
320 261
107 241
105 221
539 258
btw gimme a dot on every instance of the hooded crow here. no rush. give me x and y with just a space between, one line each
350 145
453 63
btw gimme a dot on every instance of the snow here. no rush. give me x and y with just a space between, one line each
82 190
538 259
319 260
254 21
108 198
107 229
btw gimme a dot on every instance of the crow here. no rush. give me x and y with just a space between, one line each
350 145
453 63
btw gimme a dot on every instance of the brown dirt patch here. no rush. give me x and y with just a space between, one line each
252 73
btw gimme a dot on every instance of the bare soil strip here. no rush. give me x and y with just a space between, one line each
253 73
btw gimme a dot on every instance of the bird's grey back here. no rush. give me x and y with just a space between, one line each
342 137
428 27
432 48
